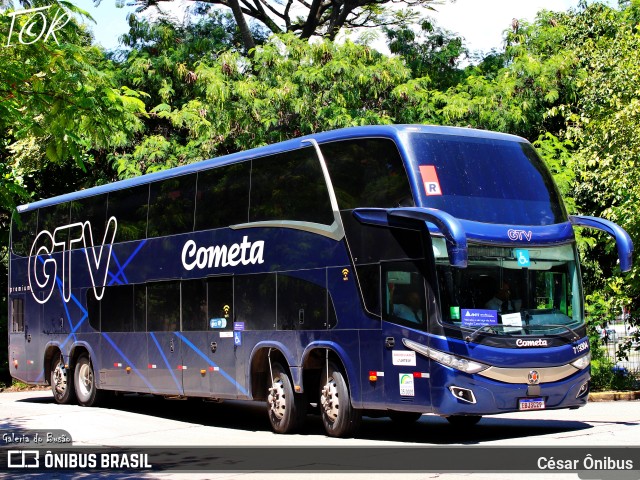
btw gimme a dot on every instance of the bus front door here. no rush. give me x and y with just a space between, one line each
406 372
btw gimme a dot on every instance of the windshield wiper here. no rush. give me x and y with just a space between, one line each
472 337
575 338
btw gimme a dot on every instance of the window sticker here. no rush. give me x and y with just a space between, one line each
430 180
479 318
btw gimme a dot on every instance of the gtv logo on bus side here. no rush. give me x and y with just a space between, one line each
43 268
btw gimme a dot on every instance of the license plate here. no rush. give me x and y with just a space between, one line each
531 404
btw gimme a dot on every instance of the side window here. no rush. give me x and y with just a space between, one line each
53 217
122 309
17 315
93 309
129 206
94 210
171 206
289 186
369 278
222 197
220 308
163 307
367 172
255 301
194 305
403 294
23 232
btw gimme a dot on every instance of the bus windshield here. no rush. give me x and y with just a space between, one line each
486 180
497 292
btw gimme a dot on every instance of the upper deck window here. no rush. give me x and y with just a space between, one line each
486 180
367 172
289 186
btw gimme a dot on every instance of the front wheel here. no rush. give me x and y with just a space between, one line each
286 408
339 417
85 382
61 381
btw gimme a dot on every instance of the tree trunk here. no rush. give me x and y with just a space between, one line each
247 37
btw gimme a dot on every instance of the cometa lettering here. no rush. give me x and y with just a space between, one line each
245 253
531 343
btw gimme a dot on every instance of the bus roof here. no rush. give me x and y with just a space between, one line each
395 132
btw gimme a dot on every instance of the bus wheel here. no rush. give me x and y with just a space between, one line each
286 409
85 382
340 419
464 420
405 418
61 381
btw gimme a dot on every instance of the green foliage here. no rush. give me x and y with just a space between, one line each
433 53
285 88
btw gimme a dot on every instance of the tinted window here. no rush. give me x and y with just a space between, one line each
487 180
194 305
171 206
163 307
53 217
129 206
121 309
255 301
302 304
367 172
204 301
93 210
17 315
369 278
289 186
222 197
220 296
24 232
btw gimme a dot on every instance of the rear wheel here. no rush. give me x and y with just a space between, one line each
287 409
61 381
339 417
85 382
464 420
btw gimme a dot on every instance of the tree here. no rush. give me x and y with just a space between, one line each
60 109
316 17
232 102
433 52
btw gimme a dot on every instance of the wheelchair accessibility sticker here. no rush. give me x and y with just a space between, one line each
523 258
237 338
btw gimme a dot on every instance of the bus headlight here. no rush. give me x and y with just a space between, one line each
582 362
453 361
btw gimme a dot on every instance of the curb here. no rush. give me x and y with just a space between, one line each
613 396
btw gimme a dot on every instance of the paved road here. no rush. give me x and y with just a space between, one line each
147 421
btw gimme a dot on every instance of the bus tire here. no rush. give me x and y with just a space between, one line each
339 417
286 408
61 381
85 382
463 420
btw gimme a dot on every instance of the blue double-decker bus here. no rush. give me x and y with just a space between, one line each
387 270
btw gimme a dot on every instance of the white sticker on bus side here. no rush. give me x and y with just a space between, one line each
404 358
226 334
406 385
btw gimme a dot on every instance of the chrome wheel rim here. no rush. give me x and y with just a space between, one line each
277 400
330 401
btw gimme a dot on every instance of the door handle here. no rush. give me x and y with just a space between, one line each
389 342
